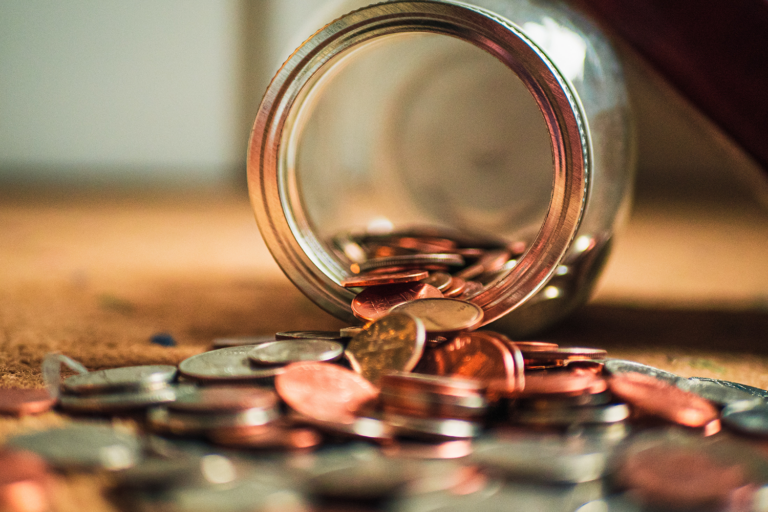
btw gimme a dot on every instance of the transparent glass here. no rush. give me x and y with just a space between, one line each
499 121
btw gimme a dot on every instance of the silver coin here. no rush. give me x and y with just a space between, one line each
225 365
83 446
242 340
749 416
619 366
548 459
612 413
362 427
443 315
238 496
114 402
453 260
432 428
181 423
721 392
114 380
288 351
309 335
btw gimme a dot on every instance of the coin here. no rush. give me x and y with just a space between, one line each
392 343
24 482
364 280
225 364
443 315
566 383
748 416
440 280
491 261
161 419
566 354
655 397
21 402
362 427
414 450
475 355
268 438
349 332
309 335
416 382
565 416
535 346
456 289
720 392
408 260
432 428
241 340
116 402
116 380
619 366
324 391
82 446
293 351
376 301
471 290
429 405
216 399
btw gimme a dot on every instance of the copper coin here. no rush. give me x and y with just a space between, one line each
456 288
440 280
443 315
21 402
680 479
472 289
19 465
24 482
566 354
364 280
475 355
308 335
409 261
563 384
418 382
655 397
225 365
324 391
377 301
535 346
491 261
268 437
361 427
214 399
392 343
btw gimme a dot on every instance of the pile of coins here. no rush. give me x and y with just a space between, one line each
413 411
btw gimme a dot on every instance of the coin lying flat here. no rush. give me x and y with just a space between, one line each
294 351
750 416
611 413
115 402
432 428
440 280
162 419
370 429
21 402
116 380
364 280
225 364
242 340
377 301
408 261
392 343
721 392
443 315
309 335
619 366
82 446
221 398
324 391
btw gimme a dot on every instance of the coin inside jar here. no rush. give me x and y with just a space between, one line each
377 301
365 280
129 378
443 315
294 351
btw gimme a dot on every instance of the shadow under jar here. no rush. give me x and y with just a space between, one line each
502 125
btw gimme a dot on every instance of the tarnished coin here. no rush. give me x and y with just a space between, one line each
655 397
720 392
408 261
440 280
217 399
242 340
365 280
21 402
377 301
432 428
392 343
748 416
116 402
476 355
225 365
443 315
619 366
116 380
268 437
432 396
82 446
565 416
324 391
294 351
490 261
309 335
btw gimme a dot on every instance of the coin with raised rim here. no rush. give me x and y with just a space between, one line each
296 350
225 365
113 380
377 301
443 315
364 280
392 343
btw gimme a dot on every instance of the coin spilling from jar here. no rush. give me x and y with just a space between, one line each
414 410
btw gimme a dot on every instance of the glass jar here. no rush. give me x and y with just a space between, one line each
502 124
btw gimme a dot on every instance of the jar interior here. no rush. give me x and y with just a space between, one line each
419 130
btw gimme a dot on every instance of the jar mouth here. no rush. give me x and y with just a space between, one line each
272 156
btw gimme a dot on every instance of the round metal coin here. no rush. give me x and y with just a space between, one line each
115 380
433 428
749 416
409 260
241 340
611 413
225 365
443 315
309 335
619 366
162 419
297 350
721 392
365 280
114 402
377 301
21 402
216 399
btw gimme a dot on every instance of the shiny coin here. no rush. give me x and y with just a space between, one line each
456 289
294 351
161 419
365 280
619 366
82 446
158 474
426 405
362 427
116 402
652 396
535 346
242 340
408 260
566 354
440 280
21 402
25 484
749 416
216 399
443 315
392 343
116 380
309 335
471 290
421 383
377 301
268 437
491 261
565 383
225 364
611 413
552 460
720 392
431 428
323 391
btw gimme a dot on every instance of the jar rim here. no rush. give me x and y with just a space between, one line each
271 153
